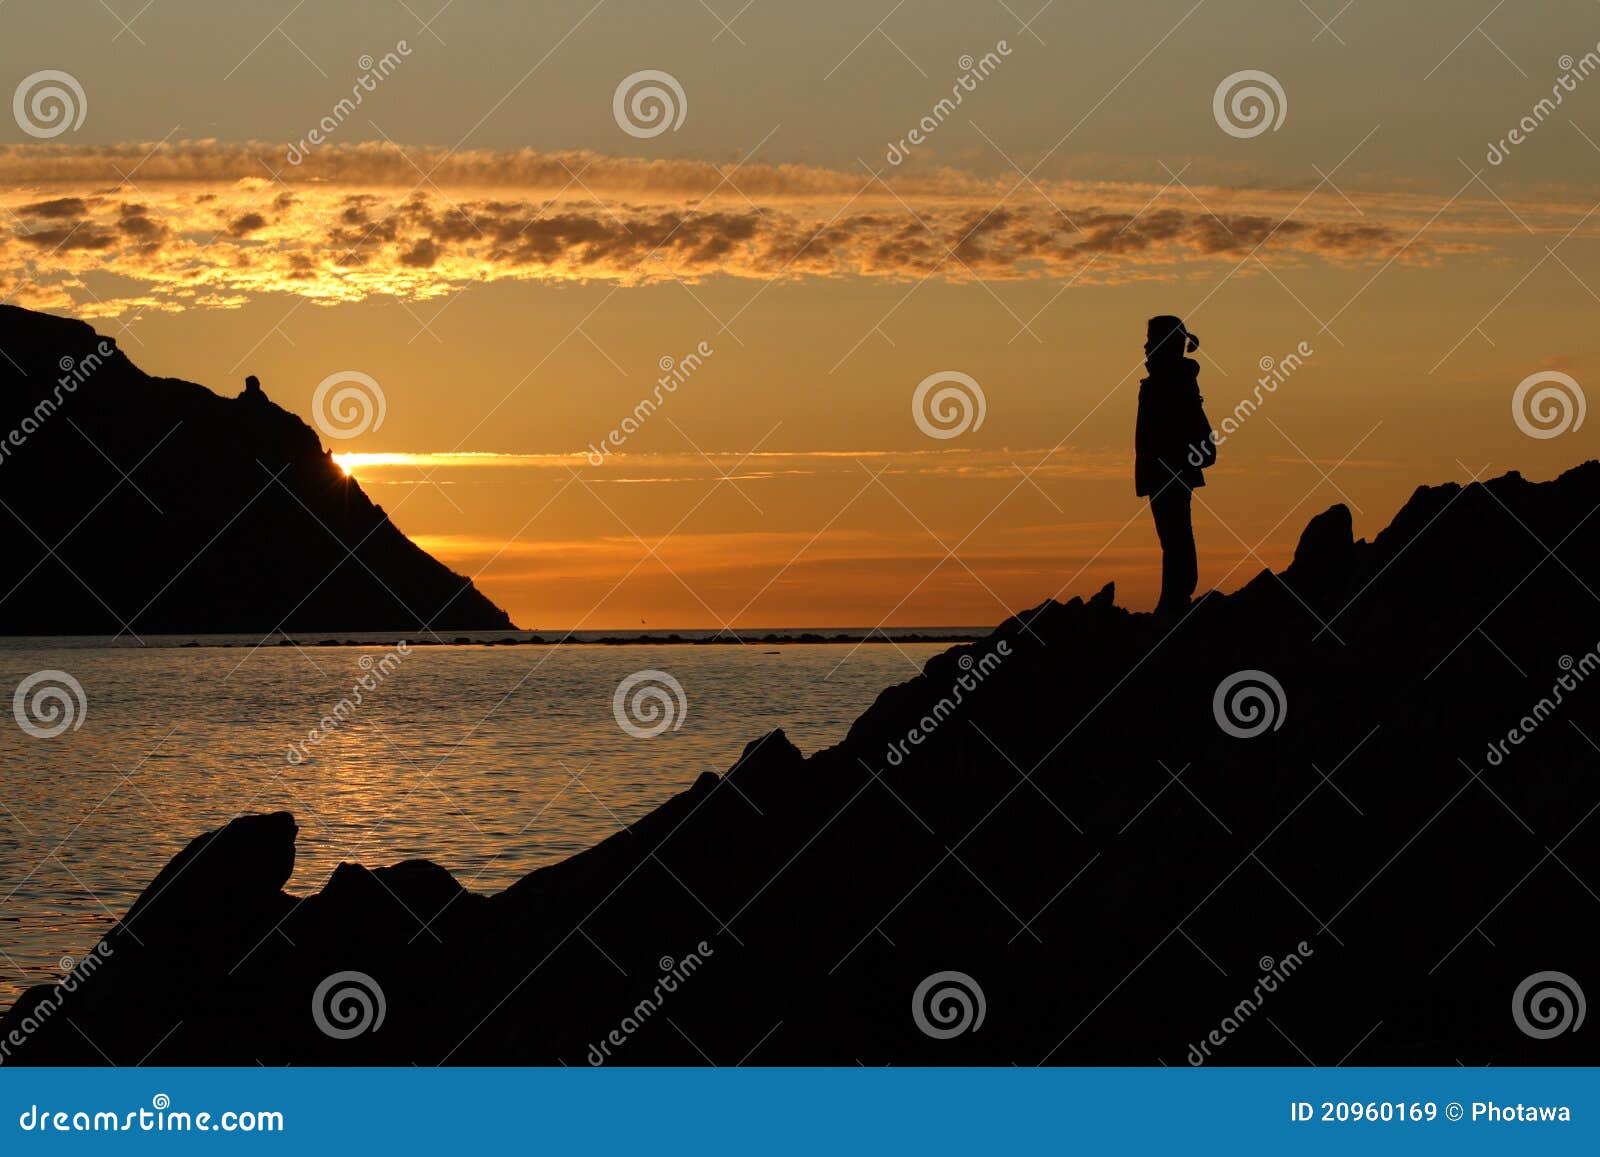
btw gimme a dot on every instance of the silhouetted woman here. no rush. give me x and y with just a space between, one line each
1172 445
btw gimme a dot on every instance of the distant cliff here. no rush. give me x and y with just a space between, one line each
1347 814
152 505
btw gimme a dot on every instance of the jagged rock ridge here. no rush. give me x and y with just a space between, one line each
1076 832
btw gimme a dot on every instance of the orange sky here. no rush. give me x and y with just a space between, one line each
487 244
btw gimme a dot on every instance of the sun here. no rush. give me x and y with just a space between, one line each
346 463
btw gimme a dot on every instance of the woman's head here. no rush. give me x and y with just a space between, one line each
1166 339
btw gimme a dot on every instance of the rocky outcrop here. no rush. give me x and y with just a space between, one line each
1272 829
152 505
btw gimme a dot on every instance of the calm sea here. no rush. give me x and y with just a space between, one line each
488 760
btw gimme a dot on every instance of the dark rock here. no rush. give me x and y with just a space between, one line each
1010 813
1325 552
1326 541
245 866
240 477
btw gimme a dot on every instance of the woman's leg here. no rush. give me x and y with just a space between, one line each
1180 571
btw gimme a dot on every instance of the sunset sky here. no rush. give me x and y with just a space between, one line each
483 238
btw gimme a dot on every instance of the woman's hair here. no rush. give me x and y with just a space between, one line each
1164 328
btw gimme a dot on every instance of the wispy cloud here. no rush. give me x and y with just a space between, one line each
212 225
